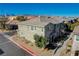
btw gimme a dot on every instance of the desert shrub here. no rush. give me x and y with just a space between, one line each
40 41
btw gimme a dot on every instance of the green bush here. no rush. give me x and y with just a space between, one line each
40 41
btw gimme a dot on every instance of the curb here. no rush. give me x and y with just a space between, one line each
24 48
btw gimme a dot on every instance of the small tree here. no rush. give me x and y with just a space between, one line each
40 41
20 18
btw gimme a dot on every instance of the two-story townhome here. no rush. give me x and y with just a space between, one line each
41 25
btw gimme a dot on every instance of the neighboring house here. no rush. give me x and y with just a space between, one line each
11 24
75 46
41 25
3 20
12 18
29 17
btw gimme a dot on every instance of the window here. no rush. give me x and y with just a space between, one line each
42 29
48 28
21 33
33 27
28 26
77 38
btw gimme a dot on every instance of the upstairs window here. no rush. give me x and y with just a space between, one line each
33 27
42 29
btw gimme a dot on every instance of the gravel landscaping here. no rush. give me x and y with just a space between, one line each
39 51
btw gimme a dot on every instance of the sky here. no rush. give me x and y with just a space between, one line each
54 9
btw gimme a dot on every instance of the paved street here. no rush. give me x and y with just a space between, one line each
10 49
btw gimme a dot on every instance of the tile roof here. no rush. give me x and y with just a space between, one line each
37 21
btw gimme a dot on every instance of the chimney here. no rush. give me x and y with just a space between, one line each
43 18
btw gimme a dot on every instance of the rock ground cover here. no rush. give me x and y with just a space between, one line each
40 51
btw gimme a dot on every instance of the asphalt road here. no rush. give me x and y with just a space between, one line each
10 49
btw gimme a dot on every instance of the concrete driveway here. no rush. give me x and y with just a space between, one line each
10 49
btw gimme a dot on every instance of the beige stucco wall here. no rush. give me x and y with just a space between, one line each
25 31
